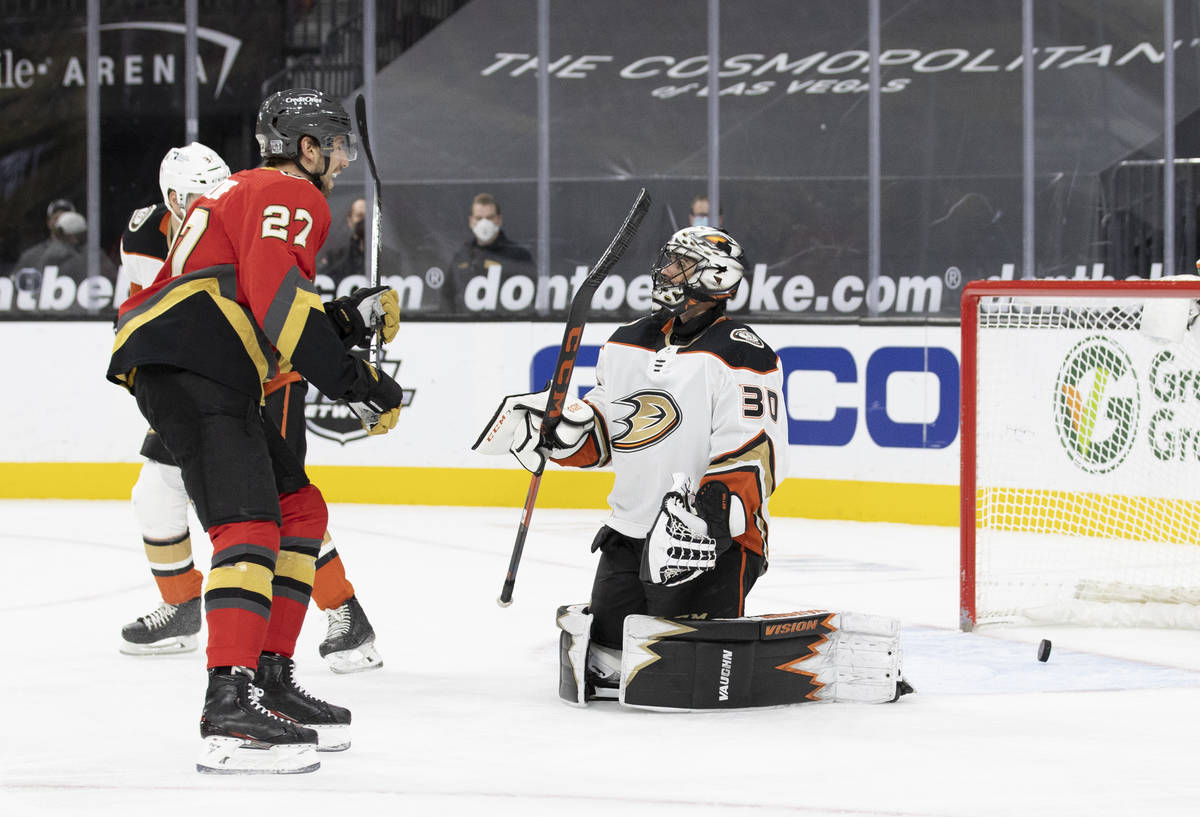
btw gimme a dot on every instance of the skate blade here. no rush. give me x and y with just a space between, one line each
168 646
220 755
359 659
331 737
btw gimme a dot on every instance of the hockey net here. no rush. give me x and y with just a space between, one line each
1080 453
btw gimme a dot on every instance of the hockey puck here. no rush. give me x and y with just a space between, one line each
1044 650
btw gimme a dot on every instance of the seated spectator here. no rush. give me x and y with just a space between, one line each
31 254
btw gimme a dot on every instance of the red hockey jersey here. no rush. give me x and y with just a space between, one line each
237 288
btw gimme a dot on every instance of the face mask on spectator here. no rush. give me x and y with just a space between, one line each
485 230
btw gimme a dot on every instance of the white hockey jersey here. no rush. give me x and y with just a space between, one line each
145 244
712 409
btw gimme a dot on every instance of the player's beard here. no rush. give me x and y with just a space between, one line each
327 182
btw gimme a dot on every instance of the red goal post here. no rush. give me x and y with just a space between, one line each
1080 453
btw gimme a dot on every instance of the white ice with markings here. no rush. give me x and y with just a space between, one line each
464 719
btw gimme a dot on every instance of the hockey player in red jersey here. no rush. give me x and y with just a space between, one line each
688 409
160 500
233 304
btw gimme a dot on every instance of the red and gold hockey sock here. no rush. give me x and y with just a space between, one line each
331 588
237 598
304 519
171 564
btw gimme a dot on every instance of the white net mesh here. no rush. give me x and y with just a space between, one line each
1087 463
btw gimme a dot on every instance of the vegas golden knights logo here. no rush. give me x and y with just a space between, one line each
654 416
333 419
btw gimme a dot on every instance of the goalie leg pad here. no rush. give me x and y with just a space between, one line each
575 621
587 671
673 664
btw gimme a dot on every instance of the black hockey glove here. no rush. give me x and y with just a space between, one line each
363 312
377 400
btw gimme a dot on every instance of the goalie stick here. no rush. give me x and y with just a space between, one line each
567 352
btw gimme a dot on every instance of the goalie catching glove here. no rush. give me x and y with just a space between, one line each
516 427
363 312
682 545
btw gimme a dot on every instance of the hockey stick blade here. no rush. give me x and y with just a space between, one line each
360 117
568 351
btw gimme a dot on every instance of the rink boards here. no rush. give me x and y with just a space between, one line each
872 417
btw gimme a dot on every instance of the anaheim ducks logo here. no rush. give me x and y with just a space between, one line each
746 336
139 217
655 415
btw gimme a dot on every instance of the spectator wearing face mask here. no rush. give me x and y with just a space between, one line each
698 215
487 248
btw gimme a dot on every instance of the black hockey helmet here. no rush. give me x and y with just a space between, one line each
288 115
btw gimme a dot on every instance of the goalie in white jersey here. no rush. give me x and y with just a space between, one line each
688 408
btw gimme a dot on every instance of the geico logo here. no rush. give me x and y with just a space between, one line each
821 414
883 427
792 627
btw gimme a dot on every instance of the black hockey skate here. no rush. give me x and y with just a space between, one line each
349 644
170 628
240 736
602 677
287 699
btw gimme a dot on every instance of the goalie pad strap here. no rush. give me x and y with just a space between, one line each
756 661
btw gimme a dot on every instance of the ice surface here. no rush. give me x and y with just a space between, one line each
464 718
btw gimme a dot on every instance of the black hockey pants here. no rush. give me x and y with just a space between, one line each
618 592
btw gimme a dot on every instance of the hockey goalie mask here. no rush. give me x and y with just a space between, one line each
192 170
696 264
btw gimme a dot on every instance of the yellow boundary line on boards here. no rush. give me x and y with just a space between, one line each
806 498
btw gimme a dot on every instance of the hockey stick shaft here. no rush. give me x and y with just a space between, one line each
567 352
360 115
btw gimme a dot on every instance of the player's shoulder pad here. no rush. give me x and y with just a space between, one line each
644 333
146 216
287 189
146 233
737 345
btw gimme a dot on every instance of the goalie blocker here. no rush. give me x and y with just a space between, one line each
769 660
